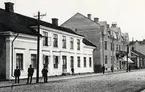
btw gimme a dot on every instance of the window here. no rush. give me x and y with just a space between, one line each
34 60
45 39
19 60
71 61
78 44
71 43
119 48
105 45
55 40
64 58
90 61
64 42
116 47
55 61
105 59
79 62
46 60
111 46
112 59
84 61
132 48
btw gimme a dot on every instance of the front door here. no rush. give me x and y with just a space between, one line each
64 64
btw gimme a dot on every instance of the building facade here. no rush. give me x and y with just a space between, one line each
60 48
109 40
138 53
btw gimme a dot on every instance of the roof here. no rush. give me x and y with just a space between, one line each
102 23
86 42
15 22
140 54
132 43
80 18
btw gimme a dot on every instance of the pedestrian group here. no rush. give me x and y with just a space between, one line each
30 71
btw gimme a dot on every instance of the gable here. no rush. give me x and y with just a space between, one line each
80 21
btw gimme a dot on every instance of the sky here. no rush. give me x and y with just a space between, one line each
128 14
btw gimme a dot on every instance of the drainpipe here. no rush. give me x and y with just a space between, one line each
12 53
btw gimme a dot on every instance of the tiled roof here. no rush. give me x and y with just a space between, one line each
10 21
86 42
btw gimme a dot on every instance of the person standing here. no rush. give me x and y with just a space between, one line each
44 73
72 70
112 68
30 74
129 67
103 69
17 74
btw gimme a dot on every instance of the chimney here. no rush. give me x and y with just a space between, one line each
9 7
55 21
114 24
89 16
96 19
107 25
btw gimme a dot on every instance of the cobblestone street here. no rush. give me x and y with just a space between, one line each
118 82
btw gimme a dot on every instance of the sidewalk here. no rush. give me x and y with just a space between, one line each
4 84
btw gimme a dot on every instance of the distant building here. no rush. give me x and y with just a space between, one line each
60 48
109 40
138 53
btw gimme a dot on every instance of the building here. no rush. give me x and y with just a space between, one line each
60 47
138 53
109 40
138 59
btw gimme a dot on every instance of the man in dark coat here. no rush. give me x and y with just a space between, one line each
30 74
103 69
44 73
72 70
17 74
112 68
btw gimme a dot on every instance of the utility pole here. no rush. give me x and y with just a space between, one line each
38 44
127 57
102 33
38 47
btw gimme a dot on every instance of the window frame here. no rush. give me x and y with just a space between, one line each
105 45
45 38
55 40
55 63
78 44
106 60
34 61
78 62
46 59
85 62
71 61
71 43
64 42
20 61
90 61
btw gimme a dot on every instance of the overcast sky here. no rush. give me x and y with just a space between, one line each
129 14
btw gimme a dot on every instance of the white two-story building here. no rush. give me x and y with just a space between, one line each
60 48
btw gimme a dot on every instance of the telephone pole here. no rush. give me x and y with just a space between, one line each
38 44
127 57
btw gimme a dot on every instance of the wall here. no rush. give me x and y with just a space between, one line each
27 45
2 58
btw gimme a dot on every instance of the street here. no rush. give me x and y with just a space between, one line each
117 82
